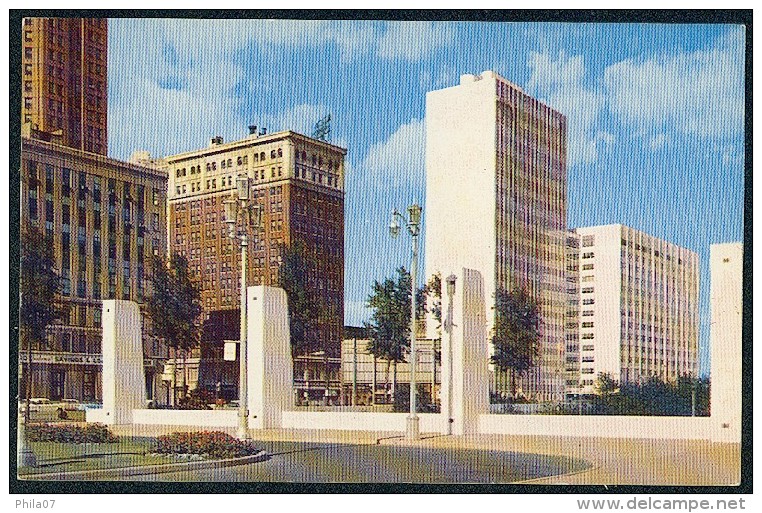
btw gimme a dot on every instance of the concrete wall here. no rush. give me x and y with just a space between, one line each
124 387
205 418
726 303
360 421
598 426
270 376
470 376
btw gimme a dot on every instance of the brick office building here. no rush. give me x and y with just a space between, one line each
299 184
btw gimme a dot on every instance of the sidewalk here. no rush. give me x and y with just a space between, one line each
615 461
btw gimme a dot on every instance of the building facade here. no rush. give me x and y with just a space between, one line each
496 203
299 186
636 308
104 219
64 86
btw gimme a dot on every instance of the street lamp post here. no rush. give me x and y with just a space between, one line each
448 328
414 227
251 216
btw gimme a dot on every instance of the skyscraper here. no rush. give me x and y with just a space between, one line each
299 185
496 202
635 309
64 80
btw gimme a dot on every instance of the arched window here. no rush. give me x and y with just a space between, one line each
280 152
223 164
272 154
262 156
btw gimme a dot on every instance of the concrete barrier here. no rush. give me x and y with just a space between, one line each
600 426
359 421
206 418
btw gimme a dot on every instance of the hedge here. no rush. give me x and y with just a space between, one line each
69 433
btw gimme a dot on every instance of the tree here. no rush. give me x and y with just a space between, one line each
39 287
305 308
389 328
174 308
606 384
516 333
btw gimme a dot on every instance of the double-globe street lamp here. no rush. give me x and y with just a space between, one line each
240 205
413 222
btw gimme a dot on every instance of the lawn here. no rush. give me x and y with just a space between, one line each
55 457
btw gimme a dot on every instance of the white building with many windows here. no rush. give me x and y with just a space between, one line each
633 308
496 203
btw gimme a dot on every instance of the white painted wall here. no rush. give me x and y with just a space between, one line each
726 303
599 426
460 179
205 418
359 421
270 377
470 374
124 387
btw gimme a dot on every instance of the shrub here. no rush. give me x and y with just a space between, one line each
70 433
215 444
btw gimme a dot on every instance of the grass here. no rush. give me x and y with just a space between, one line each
55 457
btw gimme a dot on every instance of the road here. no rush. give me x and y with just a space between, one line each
309 462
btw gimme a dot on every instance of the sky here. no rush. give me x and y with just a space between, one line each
655 114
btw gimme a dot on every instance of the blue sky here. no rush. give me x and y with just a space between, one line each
655 113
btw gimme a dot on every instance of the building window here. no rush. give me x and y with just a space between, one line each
588 324
588 255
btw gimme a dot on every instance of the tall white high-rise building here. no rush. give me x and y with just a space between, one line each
634 307
496 203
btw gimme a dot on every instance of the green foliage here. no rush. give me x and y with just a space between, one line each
215 444
305 307
39 287
389 328
434 291
606 384
175 305
423 403
516 332
654 397
69 433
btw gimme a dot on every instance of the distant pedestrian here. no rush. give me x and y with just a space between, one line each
62 413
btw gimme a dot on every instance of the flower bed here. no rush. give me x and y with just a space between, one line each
69 433
214 444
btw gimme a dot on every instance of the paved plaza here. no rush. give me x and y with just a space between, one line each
349 456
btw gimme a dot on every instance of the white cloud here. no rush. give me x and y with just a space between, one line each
695 93
398 161
413 40
561 83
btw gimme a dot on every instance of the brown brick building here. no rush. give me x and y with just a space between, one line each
64 65
299 184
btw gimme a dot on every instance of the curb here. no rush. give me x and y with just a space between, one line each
94 475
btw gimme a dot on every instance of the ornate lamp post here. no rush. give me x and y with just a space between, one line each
239 204
414 227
